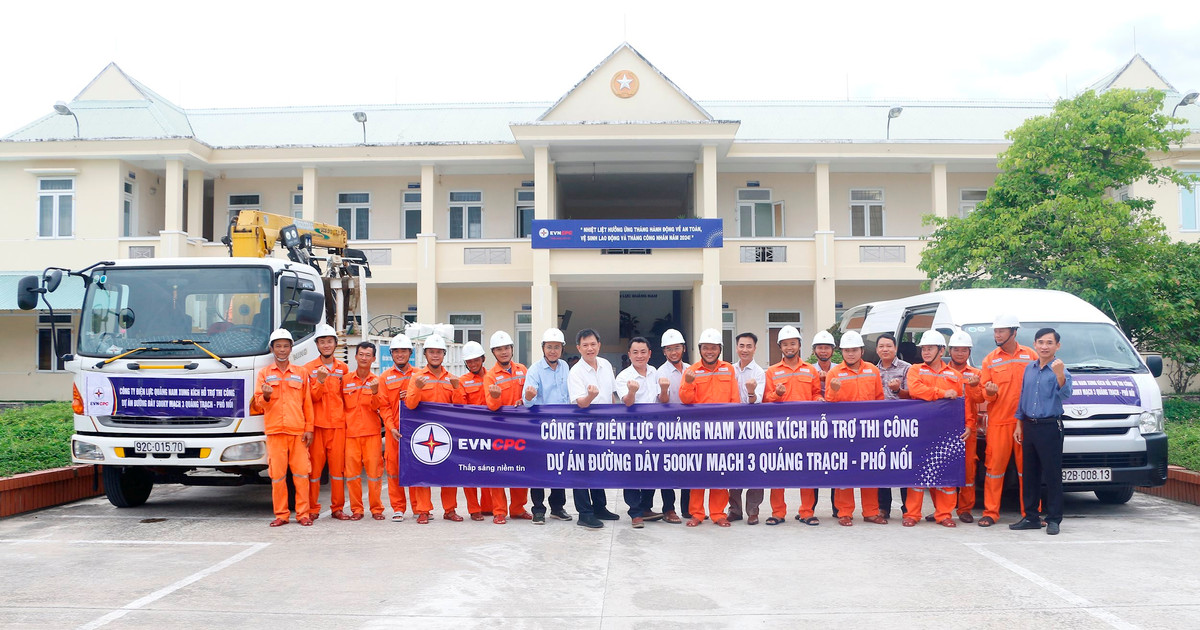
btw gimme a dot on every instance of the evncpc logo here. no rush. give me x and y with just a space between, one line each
431 443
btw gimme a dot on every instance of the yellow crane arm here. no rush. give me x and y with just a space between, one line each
254 234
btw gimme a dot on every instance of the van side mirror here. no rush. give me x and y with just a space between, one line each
1154 362
27 293
52 278
311 308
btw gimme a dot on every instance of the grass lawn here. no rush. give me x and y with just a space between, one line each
1183 432
35 438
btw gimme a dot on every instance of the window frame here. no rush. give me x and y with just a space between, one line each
523 352
407 207
466 329
463 207
728 330
1189 196
129 223
297 206
355 209
774 355
63 324
56 196
777 213
520 208
972 203
231 209
866 206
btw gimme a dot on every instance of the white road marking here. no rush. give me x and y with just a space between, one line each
1062 593
166 518
1071 542
129 542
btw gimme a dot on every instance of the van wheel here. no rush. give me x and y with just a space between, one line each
127 487
1117 496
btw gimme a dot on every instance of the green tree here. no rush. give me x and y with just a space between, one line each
1051 220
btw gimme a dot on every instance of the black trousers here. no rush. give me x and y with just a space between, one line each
1041 463
558 499
639 501
588 501
668 497
885 499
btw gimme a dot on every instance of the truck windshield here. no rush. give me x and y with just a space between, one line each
1085 346
225 309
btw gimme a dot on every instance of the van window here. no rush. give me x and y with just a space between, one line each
1085 346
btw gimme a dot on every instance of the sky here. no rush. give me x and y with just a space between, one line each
266 54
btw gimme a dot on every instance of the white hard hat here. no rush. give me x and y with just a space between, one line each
324 330
1006 320
823 337
711 335
851 339
500 338
932 338
435 342
960 339
400 341
552 335
790 332
671 337
280 333
471 350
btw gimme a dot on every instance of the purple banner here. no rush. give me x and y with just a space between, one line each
782 445
1103 389
209 397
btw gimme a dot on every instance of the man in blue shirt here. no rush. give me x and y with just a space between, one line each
545 384
1046 384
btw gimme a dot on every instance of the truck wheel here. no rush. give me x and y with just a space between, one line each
1116 496
127 487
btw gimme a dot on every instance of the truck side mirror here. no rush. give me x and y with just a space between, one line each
311 308
1154 362
52 278
27 293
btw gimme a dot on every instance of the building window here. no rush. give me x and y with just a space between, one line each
297 205
773 253
128 209
412 213
354 215
49 357
467 327
56 207
866 212
757 214
240 202
524 212
776 320
1188 207
728 323
466 214
524 338
968 198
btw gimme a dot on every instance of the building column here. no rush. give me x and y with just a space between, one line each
825 277
706 294
941 207
172 238
308 200
195 203
544 292
427 307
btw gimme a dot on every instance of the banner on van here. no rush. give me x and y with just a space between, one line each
165 396
785 445
620 234
1103 389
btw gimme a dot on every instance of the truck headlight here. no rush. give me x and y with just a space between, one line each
85 450
1151 422
244 452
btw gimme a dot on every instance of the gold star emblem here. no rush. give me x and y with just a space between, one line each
624 84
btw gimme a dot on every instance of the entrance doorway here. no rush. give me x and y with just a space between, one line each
619 315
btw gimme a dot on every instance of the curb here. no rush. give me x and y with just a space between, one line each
1182 485
47 488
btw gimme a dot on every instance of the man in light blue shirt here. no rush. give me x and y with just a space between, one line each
546 384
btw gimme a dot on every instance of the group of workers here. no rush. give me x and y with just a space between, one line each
325 414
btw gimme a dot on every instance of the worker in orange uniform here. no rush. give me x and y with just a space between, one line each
932 380
325 375
395 388
709 380
471 392
433 383
1002 371
792 379
854 380
960 361
281 393
505 382
365 406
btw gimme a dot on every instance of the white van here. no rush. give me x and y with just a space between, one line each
1113 420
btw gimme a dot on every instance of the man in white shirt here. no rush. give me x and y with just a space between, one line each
639 383
671 371
591 382
751 381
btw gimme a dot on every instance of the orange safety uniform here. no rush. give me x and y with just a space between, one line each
1007 371
974 394
512 386
865 383
287 416
329 435
393 381
926 384
716 385
471 392
438 390
802 383
364 420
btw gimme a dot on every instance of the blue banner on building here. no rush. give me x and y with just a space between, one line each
165 396
781 445
631 234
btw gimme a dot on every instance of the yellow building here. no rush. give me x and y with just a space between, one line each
821 202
